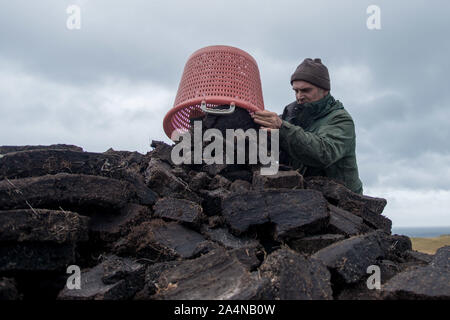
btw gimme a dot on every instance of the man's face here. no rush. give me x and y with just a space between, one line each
307 92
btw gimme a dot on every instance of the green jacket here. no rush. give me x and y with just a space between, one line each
319 140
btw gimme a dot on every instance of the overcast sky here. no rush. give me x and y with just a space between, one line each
110 83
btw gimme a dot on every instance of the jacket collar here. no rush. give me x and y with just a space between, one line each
308 112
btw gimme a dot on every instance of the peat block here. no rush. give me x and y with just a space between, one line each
294 277
388 269
40 225
282 179
33 163
158 241
161 151
418 257
345 198
107 227
213 200
346 223
250 257
160 178
419 283
348 259
217 275
85 194
294 212
200 181
442 258
152 274
397 247
312 244
114 279
8 149
39 240
226 239
179 210
368 208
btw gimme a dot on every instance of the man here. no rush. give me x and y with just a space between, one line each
316 132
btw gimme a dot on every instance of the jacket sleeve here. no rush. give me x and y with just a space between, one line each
323 148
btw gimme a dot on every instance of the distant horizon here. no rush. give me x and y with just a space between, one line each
430 227
422 232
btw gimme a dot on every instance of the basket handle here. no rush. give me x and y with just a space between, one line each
217 111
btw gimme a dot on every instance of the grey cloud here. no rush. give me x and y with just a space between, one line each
119 115
426 171
401 132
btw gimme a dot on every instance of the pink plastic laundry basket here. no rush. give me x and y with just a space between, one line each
215 75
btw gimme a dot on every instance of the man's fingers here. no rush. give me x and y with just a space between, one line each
263 123
271 119
264 114
267 119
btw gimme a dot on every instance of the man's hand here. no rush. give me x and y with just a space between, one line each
268 120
